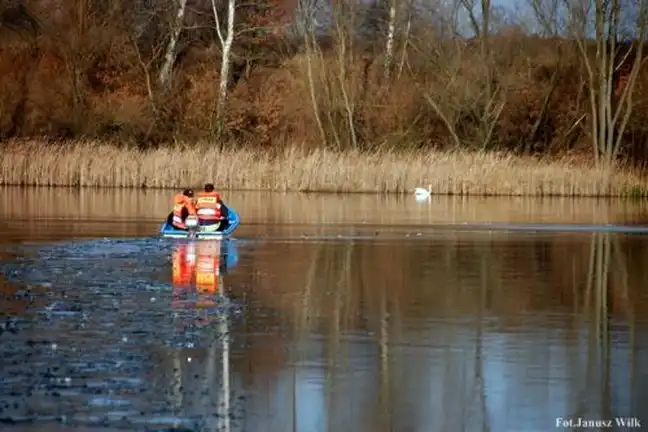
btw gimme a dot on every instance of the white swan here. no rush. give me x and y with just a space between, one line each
423 193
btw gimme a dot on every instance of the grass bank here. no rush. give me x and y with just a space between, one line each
86 163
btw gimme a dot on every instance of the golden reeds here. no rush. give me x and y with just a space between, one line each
94 164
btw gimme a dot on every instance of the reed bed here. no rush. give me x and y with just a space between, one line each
94 164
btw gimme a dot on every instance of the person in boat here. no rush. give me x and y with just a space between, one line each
183 207
211 210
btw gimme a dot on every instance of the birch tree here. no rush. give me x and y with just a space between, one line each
226 40
391 34
172 47
399 15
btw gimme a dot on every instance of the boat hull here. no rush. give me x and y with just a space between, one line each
169 231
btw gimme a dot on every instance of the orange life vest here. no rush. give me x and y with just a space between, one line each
207 267
179 203
208 206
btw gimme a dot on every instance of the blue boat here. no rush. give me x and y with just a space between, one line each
169 231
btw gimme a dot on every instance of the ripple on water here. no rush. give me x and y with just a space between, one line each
99 316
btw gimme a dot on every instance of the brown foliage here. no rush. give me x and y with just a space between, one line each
540 84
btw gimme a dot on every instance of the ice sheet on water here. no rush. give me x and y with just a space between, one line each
110 263
99 312
106 263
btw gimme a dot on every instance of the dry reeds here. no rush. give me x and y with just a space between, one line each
464 173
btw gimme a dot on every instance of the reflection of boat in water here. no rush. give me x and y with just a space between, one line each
198 270
198 267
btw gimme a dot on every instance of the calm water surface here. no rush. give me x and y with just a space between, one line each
325 313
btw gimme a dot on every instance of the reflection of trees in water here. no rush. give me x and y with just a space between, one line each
392 290
432 278
199 378
570 286
607 283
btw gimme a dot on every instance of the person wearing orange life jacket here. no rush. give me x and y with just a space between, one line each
211 211
183 207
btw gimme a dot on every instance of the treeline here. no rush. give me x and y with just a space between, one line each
152 72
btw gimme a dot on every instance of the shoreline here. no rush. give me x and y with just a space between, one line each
94 164
323 192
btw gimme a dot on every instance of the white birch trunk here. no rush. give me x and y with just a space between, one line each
408 28
391 34
226 47
170 54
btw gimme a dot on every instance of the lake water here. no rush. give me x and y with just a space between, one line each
327 313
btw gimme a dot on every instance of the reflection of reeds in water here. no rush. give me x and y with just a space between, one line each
260 207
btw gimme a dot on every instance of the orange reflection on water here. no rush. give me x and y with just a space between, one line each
197 264
197 269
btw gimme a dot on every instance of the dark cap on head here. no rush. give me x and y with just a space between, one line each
188 193
209 187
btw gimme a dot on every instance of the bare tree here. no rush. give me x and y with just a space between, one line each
406 36
460 84
397 30
446 65
172 47
344 24
145 64
306 23
391 34
226 40
492 99
597 27
17 20
609 117
547 16
71 43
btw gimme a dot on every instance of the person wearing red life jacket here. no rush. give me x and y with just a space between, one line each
211 211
